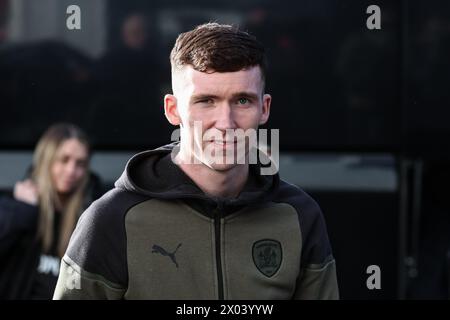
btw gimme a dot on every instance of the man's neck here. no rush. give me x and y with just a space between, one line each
224 184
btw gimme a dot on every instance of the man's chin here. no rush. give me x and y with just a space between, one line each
221 167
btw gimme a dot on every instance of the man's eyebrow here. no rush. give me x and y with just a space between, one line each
242 94
203 96
245 94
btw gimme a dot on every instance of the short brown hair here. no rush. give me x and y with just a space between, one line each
213 47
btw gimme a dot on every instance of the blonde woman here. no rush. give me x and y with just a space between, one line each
36 224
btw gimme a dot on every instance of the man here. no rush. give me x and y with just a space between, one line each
201 226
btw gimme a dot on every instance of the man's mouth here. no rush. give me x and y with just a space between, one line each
224 142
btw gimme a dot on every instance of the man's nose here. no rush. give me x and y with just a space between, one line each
225 117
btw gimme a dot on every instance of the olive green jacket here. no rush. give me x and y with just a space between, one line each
156 235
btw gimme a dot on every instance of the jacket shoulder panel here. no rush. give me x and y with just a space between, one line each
98 244
316 248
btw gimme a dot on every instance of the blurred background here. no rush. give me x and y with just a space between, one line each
363 114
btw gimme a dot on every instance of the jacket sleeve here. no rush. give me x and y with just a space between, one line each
317 269
317 282
75 283
95 263
16 217
317 277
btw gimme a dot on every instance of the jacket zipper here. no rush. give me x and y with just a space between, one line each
217 217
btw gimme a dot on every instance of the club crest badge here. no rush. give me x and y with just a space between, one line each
267 256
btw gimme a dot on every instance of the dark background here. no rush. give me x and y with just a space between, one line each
337 87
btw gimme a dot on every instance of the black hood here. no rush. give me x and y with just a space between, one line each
153 173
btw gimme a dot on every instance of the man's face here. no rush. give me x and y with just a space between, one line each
221 103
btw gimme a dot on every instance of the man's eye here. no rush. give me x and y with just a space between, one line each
243 101
206 101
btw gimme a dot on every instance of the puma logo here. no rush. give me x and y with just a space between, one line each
162 251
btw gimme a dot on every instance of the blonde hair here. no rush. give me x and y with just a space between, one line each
43 159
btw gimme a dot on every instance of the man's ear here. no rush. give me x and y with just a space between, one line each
267 99
171 109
